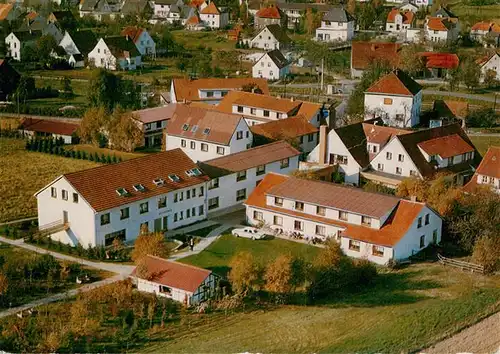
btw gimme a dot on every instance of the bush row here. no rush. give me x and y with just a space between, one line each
43 111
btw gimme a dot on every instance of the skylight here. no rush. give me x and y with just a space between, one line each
158 182
185 127
194 129
139 187
174 178
122 192
197 172
206 131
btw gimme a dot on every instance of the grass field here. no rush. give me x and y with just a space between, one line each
217 256
24 173
483 142
193 39
405 311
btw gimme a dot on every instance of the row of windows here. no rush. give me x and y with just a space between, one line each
210 94
203 146
189 213
64 194
298 225
190 193
399 170
265 112
487 179
143 209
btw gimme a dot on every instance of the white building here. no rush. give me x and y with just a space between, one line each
49 128
153 121
115 53
162 7
295 11
180 282
212 17
93 207
273 66
15 41
399 21
234 177
212 90
409 6
369 226
488 172
205 134
486 32
490 63
142 39
99 9
258 109
336 25
271 37
396 98
77 45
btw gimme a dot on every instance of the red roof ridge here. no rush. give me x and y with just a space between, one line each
208 271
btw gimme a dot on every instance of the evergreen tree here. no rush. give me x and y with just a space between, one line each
108 159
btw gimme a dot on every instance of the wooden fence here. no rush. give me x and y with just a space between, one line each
471 267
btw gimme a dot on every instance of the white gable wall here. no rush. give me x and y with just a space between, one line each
395 148
69 46
492 64
395 110
266 68
265 40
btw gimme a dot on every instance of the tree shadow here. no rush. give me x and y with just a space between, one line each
220 270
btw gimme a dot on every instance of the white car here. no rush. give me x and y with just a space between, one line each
249 232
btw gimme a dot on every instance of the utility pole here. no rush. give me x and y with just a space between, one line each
322 72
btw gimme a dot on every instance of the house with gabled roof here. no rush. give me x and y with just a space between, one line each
204 134
142 39
194 23
271 15
487 174
99 9
490 63
409 6
272 66
439 64
234 177
396 98
152 121
487 32
93 207
271 37
77 45
336 25
49 128
212 90
213 17
399 21
19 39
115 53
441 29
162 7
180 282
363 54
372 226
295 11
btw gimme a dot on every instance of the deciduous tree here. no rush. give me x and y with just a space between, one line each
411 61
471 73
149 243
245 273
124 132
93 125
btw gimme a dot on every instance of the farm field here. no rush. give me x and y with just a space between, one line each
24 173
483 142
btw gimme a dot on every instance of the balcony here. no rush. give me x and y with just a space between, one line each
53 227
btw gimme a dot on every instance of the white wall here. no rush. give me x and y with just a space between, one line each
265 40
266 68
492 64
215 21
102 58
13 45
407 108
489 181
335 31
366 251
395 148
68 44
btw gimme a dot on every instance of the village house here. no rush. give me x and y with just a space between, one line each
296 129
365 53
409 6
205 134
271 37
64 19
490 64
77 45
162 8
10 80
47 28
49 128
93 207
295 11
15 41
372 226
99 9
396 98
441 29
211 90
115 53
486 32
213 17
272 66
194 23
336 25
136 8
488 172
258 109
152 122
271 15
234 177
142 39
438 64
447 112
398 21
180 282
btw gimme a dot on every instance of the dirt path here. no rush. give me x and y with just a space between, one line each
483 337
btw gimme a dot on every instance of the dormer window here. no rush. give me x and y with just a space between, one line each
122 192
206 131
139 187
365 220
194 129
185 127
299 206
174 178
158 182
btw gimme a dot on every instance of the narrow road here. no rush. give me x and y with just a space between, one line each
18 221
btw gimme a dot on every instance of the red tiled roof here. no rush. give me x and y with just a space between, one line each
490 165
193 20
438 23
186 89
396 83
174 274
5 10
407 16
150 115
244 160
284 128
446 146
132 32
222 125
401 218
31 15
49 126
211 9
378 134
364 53
440 60
257 101
196 3
481 26
98 185
451 109
269 12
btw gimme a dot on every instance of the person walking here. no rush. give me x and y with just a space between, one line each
191 243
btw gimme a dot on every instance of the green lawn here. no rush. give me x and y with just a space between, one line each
212 39
217 256
483 142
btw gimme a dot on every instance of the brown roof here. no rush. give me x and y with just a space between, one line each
308 109
184 119
48 126
336 196
132 32
193 20
439 23
174 274
5 10
482 26
98 186
451 109
364 53
244 160
411 142
407 16
269 12
396 83
186 89
490 165
284 128
155 114
258 101
211 9
401 218
446 146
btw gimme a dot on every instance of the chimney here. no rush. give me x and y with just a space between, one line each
413 198
323 133
292 99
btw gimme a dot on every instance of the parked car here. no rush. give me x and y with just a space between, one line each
249 232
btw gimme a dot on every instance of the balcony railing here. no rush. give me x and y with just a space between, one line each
53 227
